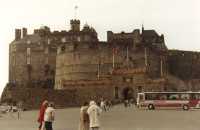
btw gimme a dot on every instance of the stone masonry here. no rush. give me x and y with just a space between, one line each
69 67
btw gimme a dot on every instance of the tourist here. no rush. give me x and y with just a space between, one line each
49 116
41 114
11 111
18 113
84 117
126 103
110 104
103 105
94 113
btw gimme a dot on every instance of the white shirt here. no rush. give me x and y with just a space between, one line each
49 114
102 104
94 113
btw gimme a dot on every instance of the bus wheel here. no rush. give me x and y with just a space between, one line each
151 107
185 107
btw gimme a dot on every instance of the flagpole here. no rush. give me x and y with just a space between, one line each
75 8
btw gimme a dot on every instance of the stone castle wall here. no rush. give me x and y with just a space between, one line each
33 97
184 60
69 63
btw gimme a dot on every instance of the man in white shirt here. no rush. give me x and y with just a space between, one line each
94 113
49 116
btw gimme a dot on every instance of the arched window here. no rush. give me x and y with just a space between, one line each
139 89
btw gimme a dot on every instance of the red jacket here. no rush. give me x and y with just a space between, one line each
41 114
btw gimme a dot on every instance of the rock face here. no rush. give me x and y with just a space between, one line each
70 67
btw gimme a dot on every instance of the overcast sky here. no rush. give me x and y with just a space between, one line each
178 20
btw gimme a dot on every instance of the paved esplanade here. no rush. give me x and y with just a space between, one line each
119 118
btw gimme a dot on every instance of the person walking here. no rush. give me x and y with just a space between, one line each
49 116
84 117
41 114
94 113
103 105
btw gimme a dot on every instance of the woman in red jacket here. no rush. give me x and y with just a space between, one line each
41 114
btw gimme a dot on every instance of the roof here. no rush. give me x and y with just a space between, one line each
149 33
33 38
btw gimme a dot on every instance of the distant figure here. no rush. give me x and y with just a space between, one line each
126 103
18 113
41 114
84 117
19 109
110 104
49 116
103 105
11 111
132 102
94 113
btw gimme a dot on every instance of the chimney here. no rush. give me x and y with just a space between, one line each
109 36
17 34
24 32
36 31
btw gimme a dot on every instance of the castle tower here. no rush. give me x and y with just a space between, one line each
17 34
24 32
75 25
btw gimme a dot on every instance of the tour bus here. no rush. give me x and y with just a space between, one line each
184 100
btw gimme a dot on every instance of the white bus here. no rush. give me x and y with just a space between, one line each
184 100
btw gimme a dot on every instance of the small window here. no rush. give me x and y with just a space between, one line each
48 41
63 48
46 60
139 89
78 38
63 40
28 42
46 51
28 51
28 60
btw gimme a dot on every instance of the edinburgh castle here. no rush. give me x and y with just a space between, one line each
70 67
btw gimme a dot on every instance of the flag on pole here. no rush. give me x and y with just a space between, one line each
75 8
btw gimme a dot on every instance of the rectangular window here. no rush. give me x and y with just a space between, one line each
63 40
46 60
28 51
48 41
28 60
46 51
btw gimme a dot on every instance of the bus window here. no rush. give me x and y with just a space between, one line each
173 97
195 96
185 96
163 97
151 96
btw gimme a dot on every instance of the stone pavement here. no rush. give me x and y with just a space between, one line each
119 118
